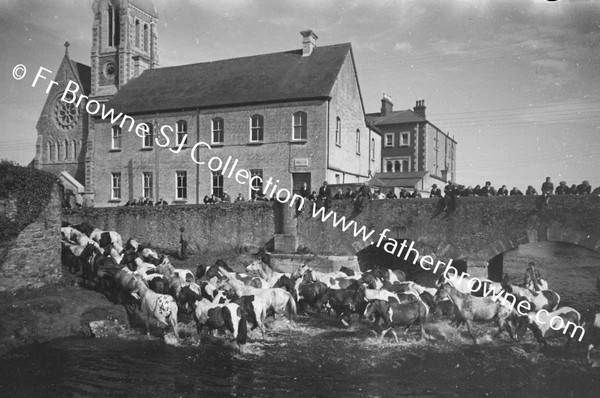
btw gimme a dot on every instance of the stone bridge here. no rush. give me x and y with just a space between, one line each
478 231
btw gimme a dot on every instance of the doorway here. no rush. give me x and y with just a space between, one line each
298 179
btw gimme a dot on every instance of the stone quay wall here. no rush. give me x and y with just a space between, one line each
33 257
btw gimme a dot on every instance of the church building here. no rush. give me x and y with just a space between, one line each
292 117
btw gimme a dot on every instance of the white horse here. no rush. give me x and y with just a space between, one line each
280 300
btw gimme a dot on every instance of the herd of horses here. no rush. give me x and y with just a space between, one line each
218 298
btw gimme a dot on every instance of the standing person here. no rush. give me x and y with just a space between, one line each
184 244
325 195
435 192
547 190
362 197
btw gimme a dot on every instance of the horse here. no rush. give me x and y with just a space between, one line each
473 308
345 302
125 283
277 299
375 294
326 278
394 314
160 306
541 300
222 316
184 274
71 260
312 294
265 272
542 324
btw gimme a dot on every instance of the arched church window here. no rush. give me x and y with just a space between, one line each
49 151
389 167
66 150
396 165
74 149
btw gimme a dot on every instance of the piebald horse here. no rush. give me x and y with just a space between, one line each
541 300
265 272
161 307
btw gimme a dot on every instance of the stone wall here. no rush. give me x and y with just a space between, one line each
208 228
33 257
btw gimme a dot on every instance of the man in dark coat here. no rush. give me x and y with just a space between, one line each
435 192
325 195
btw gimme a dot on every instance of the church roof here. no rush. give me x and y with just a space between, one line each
395 117
146 6
276 77
84 74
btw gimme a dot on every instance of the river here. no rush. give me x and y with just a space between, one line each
316 356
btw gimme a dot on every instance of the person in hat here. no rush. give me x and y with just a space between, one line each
435 192
562 188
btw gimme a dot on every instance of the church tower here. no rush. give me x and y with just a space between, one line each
124 43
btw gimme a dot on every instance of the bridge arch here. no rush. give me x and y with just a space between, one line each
493 252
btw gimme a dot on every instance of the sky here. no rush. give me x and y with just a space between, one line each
516 83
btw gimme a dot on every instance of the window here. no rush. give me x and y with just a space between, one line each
389 139
397 165
217 183
338 131
256 184
257 128
145 37
404 139
357 141
50 149
116 137
149 136
74 149
300 126
372 148
147 187
110 25
181 184
181 132
218 133
58 151
67 150
115 186
137 33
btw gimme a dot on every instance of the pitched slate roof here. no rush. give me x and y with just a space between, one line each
276 77
84 74
395 117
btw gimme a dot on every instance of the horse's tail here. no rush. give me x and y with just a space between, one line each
291 306
242 336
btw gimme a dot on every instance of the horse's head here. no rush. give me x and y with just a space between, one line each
254 266
308 277
440 295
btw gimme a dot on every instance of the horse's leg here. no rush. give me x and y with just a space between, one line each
383 333
395 335
469 330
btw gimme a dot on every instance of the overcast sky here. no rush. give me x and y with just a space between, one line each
517 83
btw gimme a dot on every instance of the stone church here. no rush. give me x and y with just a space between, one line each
292 117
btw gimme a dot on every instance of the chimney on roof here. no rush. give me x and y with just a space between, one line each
419 108
309 40
386 105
